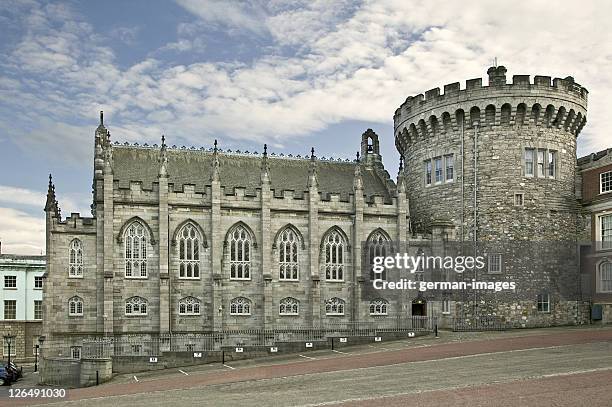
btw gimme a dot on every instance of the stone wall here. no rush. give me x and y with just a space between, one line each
25 337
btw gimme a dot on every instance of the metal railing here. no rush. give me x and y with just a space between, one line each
156 344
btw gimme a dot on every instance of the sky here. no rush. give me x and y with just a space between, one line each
292 74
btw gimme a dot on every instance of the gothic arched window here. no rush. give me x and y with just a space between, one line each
334 306
289 306
189 252
605 278
378 245
136 251
189 306
136 306
240 306
240 254
75 306
75 264
288 255
334 256
379 307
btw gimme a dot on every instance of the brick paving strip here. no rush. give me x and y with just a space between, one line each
347 362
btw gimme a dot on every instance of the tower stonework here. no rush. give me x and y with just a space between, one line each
499 163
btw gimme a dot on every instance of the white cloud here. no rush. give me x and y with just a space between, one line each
244 15
21 233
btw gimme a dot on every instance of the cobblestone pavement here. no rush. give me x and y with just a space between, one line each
536 367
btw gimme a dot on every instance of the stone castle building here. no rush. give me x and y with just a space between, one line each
187 240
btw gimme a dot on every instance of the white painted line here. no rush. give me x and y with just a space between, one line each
135 378
185 373
229 367
306 357
337 351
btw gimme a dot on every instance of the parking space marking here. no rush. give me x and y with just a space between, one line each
135 378
306 357
229 367
337 351
185 373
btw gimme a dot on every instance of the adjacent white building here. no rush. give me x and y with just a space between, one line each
21 312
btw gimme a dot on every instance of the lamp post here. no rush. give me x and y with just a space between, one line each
41 339
37 348
8 339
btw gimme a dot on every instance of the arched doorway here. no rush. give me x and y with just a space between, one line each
419 307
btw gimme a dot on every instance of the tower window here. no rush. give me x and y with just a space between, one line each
552 163
438 167
449 162
541 154
543 301
428 172
529 162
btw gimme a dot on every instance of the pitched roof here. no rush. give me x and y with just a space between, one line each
194 167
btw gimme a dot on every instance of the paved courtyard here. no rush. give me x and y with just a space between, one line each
548 367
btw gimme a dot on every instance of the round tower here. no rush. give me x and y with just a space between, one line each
498 160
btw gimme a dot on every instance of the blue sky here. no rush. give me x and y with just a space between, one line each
288 73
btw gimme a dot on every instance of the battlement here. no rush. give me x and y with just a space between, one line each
559 88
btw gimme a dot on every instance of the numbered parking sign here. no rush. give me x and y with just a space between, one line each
411 334
239 350
197 354
153 360
273 349
377 339
309 344
342 340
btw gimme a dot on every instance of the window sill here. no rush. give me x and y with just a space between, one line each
334 315
288 315
76 277
446 313
136 278
189 315
379 315
240 315
75 316
10 288
135 315
287 280
239 279
189 278
334 281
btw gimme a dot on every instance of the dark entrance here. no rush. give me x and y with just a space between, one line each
419 308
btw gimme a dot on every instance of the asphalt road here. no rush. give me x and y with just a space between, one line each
546 368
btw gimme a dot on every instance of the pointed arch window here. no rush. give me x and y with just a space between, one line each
136 251
75 306
240 254
189 252
378 246
288 265
189 306
240 306
605 278
334 306
289 306
75 263
379 307
136 306
334 249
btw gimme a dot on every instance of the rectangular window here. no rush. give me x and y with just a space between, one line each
519 199
10 309
552 164
10 281
495 263
605 224
446 306
38 282
428 172
449 162
605 182
5 349
543 302
38 309
605 278
438 167
529 162
541 163
75 352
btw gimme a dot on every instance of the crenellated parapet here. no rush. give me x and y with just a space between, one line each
543 102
